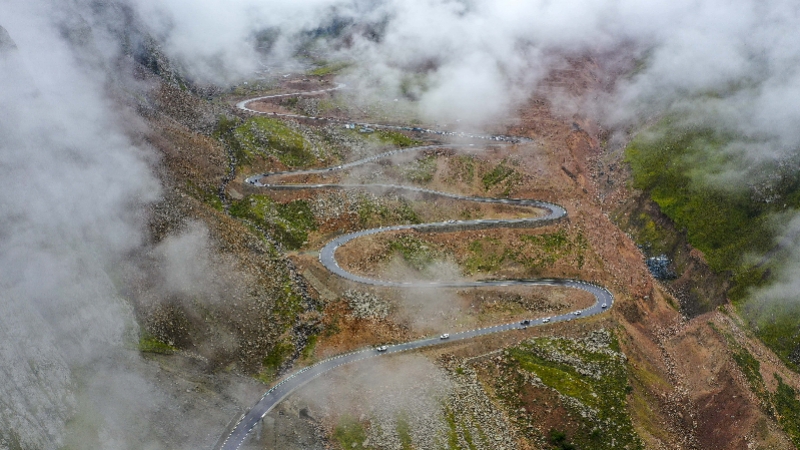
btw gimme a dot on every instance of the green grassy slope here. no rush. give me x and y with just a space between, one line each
734 224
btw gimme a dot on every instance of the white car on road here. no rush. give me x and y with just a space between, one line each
444 336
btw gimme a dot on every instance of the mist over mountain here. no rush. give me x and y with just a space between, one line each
728 68
71 186
75 191
75 181
735 59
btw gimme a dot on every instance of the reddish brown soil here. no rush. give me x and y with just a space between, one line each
693 387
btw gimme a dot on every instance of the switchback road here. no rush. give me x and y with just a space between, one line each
327 257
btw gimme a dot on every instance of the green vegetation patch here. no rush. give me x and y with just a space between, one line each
11 440
328 105
350 434
150 344
413 85
288 303
273 360
208 194
749 365
725 224
787 407
396 139
386 137
595 380
311 344
452 431
534 252
653 239
501 173
374 213
558 439
487 255
462 168
783 404
549 248
777 324
458 435
414 251
327 68
266 136
224 131
403 429
290 222
422 170
677 167
751 369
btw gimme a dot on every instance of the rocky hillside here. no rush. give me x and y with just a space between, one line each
222 292
543 391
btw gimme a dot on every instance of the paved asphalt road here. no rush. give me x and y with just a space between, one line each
603 298
366 126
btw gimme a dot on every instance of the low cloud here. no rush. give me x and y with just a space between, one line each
74 191
74 186
186 262
384 390
730 65
785 285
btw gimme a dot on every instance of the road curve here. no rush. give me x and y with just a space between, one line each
243 105
327 257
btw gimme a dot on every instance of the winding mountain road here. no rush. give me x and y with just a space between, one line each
327 257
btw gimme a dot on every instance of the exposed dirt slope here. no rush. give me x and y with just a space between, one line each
688 390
